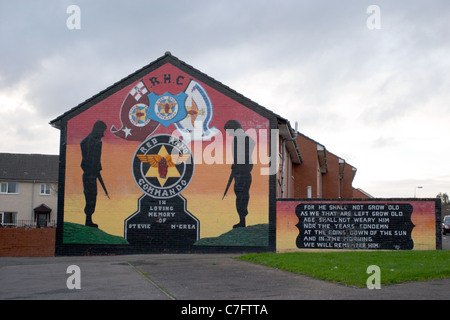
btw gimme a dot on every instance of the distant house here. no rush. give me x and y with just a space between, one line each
322 174
28 189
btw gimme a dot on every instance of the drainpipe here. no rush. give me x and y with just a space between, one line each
32 198
283 160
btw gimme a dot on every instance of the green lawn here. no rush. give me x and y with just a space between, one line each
77 233
350 268
257 235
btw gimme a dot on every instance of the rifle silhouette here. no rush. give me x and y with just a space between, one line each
228 185
103 184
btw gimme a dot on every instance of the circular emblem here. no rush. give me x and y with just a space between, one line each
163 166
166 108
138 115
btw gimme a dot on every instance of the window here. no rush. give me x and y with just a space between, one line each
45 188
9 187
8 218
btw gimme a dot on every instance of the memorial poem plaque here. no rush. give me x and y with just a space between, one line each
350 225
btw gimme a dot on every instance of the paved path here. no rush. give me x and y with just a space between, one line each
183 277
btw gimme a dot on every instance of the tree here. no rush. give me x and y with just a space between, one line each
444 198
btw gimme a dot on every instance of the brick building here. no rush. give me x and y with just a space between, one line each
169 159
322 174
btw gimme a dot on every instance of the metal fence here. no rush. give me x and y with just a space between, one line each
29 224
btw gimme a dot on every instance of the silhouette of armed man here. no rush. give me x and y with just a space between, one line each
91 152
242 149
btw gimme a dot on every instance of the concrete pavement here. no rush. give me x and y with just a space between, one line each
183 277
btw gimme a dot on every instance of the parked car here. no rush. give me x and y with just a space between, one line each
446 225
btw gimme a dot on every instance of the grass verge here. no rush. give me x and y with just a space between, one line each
350 268
77 233
257 235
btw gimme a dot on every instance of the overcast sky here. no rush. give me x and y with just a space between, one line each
370 85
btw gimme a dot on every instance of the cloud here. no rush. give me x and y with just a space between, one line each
24 130
378 98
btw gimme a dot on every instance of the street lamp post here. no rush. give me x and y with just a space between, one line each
415 189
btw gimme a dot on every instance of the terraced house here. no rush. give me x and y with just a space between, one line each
29 189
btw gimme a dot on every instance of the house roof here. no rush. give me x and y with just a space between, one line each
283 124
42 208
363 192
167 58
29 167
322 152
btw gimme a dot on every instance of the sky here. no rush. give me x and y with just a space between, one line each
367 79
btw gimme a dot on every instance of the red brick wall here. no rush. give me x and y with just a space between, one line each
330 180
359 195
23 242
305 174
347 189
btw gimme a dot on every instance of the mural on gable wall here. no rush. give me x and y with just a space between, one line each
178 165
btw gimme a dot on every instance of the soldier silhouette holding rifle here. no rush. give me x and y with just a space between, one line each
91 152
242 149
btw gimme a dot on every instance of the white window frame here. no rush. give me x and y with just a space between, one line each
14 216
6 186
46 188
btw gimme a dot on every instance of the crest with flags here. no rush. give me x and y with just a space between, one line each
136 124
196 125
